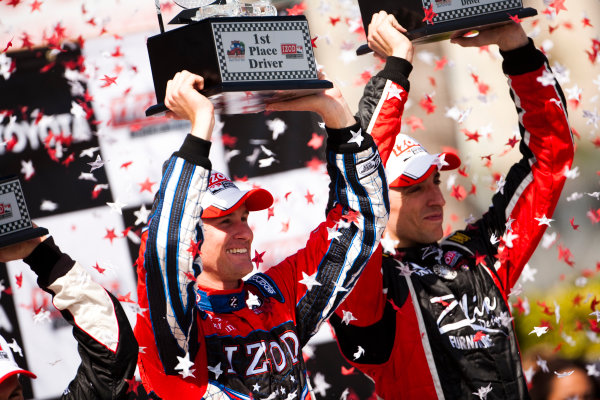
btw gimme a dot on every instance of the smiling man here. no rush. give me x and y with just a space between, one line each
431 314
206 332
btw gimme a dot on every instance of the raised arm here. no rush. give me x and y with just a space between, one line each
104 337
382 104
318 277
380 111
168 262
533 185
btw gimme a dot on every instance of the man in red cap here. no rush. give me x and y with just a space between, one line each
204 331
105 340
430 319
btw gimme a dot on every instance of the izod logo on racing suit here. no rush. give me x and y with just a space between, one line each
277 352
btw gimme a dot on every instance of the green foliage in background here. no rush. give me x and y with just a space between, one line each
577 333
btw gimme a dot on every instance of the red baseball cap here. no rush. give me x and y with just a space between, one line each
8 366
410 163
224 197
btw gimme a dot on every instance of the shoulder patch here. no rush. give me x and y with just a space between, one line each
459 237
267 287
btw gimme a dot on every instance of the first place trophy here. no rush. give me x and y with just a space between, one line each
15 225
434 20
247 55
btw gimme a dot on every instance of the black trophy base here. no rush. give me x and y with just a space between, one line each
251 97
446 30
21 236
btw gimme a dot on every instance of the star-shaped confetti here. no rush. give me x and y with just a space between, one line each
356 137
258 258
543 220
141 215
116 206
359 352
185 365
429 14
347 317
333 233
309 280
96 164
539 330
483 391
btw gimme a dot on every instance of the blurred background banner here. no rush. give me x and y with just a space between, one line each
75 81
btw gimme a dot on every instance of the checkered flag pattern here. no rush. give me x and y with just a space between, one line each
477 9
261 27
14 187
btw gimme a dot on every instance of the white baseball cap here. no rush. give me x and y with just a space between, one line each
224 197
410 163
8 366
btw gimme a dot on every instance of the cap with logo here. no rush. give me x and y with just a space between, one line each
8 366
224 197
410 163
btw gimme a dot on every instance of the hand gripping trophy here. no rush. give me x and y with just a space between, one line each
433 20
246 54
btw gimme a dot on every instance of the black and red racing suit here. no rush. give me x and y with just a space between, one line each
437 325
105 340
246 343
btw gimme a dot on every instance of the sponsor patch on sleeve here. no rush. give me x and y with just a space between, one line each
367 167
267 287
459 237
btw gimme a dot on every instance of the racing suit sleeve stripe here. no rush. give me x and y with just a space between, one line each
386 121
382 104
547 135
174 224
381 109
334 256
533 185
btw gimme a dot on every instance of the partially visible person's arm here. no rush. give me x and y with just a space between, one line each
168 263
105 339
380 112
338 249
534 184
382 104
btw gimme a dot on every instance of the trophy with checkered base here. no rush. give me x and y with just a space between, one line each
434 20
15 225
247 55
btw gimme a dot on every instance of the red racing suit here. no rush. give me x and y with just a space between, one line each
433 321
246 343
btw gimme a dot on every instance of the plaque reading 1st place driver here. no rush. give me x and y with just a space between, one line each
433 20
264 50
446 10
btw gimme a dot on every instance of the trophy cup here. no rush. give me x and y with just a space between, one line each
434 20
15 225
247 55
